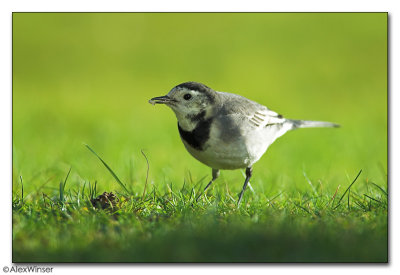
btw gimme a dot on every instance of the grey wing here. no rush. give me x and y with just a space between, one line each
257 115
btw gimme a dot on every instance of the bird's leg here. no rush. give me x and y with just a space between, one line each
215 175
249 171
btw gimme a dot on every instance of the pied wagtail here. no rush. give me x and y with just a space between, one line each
224 130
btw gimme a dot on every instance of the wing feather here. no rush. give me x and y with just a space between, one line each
256 114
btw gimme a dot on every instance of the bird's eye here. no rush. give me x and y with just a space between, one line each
187 96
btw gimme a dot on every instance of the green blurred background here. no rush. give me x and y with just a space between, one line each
86 78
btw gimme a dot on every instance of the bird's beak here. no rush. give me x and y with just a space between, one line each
160 100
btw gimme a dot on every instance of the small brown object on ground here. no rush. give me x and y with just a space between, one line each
105 200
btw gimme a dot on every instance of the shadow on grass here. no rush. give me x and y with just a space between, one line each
208 240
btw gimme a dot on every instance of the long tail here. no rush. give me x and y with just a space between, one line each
310 124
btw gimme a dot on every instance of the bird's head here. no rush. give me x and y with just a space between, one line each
191 102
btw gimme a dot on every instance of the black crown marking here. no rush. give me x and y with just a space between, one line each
195 86
199 87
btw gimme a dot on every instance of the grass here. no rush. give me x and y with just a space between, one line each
171 226
318 195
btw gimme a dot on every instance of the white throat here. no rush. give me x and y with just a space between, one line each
185 123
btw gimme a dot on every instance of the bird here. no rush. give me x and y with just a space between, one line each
226 131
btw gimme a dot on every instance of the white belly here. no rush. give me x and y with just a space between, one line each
221 157
233 153
234 150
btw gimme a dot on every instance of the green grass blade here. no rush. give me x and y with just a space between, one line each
348 188
380 188
22 189
373 199
66 178
61 192
95 189
109 169
147 174
62 186
83 190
